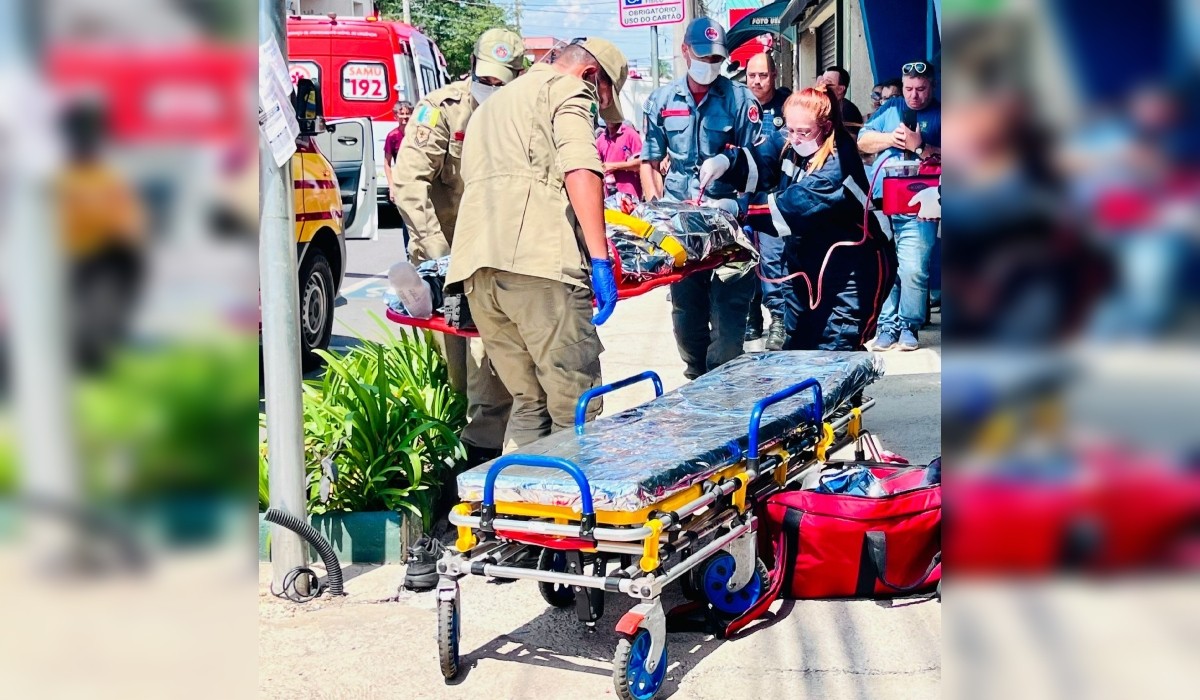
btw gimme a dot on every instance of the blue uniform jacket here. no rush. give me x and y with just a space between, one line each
818 208
675 125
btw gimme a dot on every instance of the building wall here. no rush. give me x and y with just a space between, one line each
856 57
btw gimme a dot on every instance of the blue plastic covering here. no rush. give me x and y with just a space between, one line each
643 455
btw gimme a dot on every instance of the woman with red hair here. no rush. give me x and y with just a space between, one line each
838 260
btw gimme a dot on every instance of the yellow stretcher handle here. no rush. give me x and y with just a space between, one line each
466 540
650 561
825 442
645 229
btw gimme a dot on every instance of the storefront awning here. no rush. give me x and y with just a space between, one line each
793 11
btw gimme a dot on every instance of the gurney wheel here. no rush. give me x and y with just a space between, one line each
630 678
448 637
556 594
716 574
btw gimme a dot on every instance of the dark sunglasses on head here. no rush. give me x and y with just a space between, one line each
876 96
915 68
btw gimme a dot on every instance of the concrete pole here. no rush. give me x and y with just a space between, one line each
407 16
36 294
280 332
654 56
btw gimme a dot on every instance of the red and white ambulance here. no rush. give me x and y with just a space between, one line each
363 66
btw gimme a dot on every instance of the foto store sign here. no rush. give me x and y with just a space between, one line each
645 13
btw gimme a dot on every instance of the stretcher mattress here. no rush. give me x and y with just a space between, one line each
643 455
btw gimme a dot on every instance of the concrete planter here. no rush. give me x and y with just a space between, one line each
378 537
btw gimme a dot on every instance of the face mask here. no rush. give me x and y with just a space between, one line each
481 92
704 73
806 148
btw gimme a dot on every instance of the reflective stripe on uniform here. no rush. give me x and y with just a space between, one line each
861 196
781 226
752 178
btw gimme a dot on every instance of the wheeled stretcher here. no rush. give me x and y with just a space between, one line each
657 493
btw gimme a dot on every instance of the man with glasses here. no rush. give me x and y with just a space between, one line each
906 127
531 233
693 119
428 185
882 93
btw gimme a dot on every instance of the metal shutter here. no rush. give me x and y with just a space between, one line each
826 45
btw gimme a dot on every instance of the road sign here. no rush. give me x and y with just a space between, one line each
646 13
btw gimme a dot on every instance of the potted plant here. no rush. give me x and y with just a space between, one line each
380 442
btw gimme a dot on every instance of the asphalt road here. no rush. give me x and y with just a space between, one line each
378 643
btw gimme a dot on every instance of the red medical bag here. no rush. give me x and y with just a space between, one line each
830 545
899 191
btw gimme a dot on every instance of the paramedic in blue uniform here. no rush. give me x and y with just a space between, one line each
761 74
840 271
689 120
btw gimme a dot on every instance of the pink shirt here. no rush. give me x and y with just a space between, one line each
624 146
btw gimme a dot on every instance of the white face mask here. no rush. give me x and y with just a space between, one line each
704 73
481 92
806 148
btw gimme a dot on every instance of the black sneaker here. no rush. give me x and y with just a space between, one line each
776 334
754 327
421 573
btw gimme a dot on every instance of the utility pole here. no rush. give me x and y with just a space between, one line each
36 283
517 14
654 55
407 16
281 333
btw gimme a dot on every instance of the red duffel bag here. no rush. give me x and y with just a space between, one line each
837 545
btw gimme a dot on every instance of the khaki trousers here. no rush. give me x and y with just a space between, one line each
541 340
488 402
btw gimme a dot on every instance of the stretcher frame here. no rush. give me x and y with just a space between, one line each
625 290
657 545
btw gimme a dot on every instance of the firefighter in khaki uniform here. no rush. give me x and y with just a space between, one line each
532 216
427 184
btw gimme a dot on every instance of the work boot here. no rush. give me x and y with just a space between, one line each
777 333
754 326
421 573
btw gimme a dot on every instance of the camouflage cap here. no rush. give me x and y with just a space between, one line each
500 54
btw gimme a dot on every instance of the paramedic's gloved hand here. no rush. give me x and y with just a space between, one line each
712 169
604 286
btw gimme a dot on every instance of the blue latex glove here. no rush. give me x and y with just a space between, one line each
604 286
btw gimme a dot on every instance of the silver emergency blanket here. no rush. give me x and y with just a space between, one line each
640 259
641 456
703 230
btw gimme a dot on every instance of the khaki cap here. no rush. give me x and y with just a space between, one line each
613 62
499 54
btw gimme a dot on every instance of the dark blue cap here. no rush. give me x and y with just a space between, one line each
706 38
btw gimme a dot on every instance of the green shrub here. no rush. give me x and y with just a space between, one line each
385 414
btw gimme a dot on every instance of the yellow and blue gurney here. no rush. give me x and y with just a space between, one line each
661 492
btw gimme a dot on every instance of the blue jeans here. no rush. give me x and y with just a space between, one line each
906 306
709 318
1149 276
770 250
